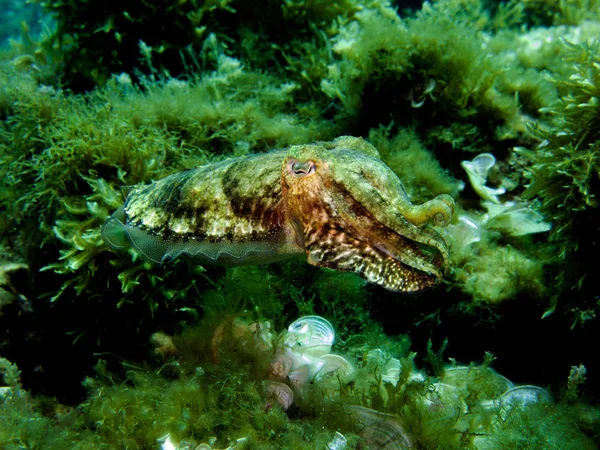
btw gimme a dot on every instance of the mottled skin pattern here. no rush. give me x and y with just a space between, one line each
334 202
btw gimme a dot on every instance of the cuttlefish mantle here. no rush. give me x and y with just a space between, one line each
335 202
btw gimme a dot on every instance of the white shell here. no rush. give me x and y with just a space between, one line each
279 393
389 367
379 430
334 364
462 376
338 443
482 164
478 170
468 228
166 443
311 335
515 219
524 395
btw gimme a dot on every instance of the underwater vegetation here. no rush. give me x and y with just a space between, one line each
127 133
114 113
565 169
241 384
98 40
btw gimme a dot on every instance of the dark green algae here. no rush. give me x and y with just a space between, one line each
96 104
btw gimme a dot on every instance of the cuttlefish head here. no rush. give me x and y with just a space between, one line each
350 212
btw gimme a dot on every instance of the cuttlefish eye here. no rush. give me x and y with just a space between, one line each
301 169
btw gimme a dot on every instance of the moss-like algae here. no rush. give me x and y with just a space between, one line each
565 166
428 90
129 131
209 388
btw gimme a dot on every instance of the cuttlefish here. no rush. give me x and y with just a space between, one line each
335 202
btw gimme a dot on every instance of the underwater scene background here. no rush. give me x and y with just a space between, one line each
488 112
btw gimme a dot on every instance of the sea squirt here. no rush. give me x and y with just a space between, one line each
335 202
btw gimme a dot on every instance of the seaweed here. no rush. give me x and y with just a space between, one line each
102 103
565 167
100 40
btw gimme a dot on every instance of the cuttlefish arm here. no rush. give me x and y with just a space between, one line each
356 216
335 202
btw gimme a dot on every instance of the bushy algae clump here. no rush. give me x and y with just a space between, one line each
443 96
81 149
565 170
430 89
434 70
98 40
34 423
214 384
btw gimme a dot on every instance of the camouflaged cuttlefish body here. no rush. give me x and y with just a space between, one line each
335 202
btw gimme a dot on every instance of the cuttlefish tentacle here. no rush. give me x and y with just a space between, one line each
343 234
371 183
336 250
367 195
405 245
439 210
335 202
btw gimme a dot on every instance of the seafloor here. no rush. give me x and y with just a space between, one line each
487 110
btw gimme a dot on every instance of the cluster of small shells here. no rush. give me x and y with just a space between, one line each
473 398
514 217
308 344
167 443
304 357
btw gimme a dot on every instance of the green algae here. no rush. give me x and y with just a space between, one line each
206 385
95 143
428 89
565 166
134 130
